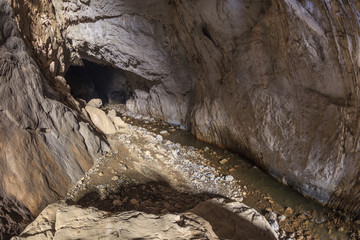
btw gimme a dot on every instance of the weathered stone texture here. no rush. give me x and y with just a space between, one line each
45 146
61 221
276 80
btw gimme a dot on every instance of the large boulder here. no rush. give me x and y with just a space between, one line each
212 219
101 120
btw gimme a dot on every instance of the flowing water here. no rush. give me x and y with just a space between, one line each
263 191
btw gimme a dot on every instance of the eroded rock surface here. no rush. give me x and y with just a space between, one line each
61 221
45 146
275 80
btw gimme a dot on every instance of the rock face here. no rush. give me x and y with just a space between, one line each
276 80
14 217
44 145
206 221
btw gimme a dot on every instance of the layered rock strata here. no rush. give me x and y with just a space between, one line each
45 146
276 80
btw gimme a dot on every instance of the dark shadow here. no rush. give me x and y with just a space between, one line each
160 198
14 217
152 198
94 80
229 225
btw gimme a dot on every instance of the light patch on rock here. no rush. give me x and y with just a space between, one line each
101 120
96 102
238 221
118 122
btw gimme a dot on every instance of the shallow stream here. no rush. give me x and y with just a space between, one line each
305 218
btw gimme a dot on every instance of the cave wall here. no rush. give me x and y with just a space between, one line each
276 80
45 146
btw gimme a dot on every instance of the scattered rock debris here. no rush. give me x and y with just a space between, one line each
159 176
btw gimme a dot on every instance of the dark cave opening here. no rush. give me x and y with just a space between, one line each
94 80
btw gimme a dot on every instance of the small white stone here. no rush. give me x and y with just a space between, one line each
95 102
229 178
224 161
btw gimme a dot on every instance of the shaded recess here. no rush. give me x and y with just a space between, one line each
110 84
94 80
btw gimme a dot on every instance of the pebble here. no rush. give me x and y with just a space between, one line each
289 211
292 235
229 178
282 234
224 161
134 201
101 174
159 138
114 178
159 156
301 217
164 211
117 202
167 205
163 132
268 209
281 218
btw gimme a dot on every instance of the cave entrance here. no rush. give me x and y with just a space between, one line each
94 80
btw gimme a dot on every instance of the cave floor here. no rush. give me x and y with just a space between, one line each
158 168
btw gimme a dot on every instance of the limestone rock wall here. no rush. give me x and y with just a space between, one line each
276 80
45 146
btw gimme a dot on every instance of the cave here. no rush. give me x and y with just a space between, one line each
261 79
93 80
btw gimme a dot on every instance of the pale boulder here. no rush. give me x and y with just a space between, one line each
118 122
101 120
96 102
